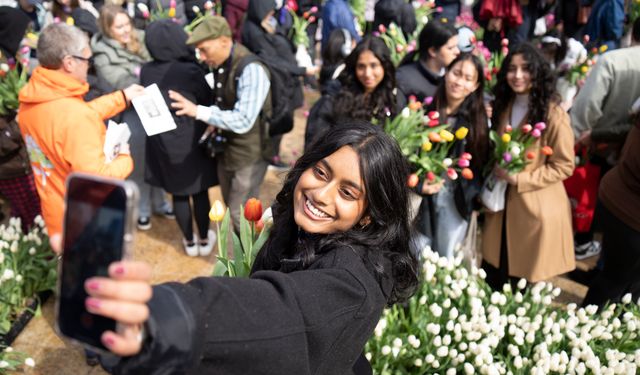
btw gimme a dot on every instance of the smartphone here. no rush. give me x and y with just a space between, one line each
98 230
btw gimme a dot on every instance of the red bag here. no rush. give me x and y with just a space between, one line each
582 189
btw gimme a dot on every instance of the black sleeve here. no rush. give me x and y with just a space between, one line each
274 321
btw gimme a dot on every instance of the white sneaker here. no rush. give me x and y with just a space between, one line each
205 250
191 250
587 250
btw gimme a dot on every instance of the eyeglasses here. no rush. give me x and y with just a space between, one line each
89 59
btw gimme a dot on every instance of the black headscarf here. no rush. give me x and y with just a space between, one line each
258 9
85 21
166 41
13 25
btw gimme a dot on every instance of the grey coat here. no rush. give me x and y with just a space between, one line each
115 64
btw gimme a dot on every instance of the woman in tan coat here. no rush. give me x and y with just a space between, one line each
532 237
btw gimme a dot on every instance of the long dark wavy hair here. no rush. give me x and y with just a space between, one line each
543 85
471 112
434 34
383 244
351 102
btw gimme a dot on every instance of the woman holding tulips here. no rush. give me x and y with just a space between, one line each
446 207
367 90
532 237
337 254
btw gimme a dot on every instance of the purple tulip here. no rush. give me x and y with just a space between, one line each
507 157
540 126
536 133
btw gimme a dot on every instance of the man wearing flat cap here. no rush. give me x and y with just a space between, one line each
241 93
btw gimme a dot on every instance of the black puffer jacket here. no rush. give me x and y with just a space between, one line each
293 321
275 49
397 11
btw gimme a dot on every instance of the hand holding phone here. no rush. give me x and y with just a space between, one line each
98 224
122 297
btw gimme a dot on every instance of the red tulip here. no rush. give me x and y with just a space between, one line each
452 174
531 155
431 176
259 226
253 210
508 128
526 128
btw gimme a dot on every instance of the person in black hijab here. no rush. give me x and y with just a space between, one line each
13 25
173 159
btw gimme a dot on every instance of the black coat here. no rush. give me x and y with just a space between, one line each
275 49
311 321
397 11
414 79
174 160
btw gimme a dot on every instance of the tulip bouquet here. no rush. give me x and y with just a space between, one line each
210 8
455 324
511 147
395 40
299 36
12 78
159 13
426 143
253 234
492 67
424 10
579 72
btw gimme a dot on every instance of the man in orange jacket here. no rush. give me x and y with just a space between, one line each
63 133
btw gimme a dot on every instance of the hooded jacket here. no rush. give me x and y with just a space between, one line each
174 160
13 24
65 134
119 67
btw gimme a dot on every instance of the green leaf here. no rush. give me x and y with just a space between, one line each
223 236
219 269
245 234
262 238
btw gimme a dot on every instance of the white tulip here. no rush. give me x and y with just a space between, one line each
4 364
417 362
397 342
395 351
447 162
406 112
30 362
429 358
368 356
14 247
626 299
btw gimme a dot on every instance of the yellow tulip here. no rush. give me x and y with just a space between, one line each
217 211
446 135
506 138
462 132
172 12
584 69
70 21
427 146
603 48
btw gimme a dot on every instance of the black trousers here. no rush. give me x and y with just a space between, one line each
621 254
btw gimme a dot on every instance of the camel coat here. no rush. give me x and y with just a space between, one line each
538 224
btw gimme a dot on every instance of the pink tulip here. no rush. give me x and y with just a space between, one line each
172 4
428 100
507 157
313 9
526 128
463 163
382 29
466 156
536 133
504 42
452 174
540 126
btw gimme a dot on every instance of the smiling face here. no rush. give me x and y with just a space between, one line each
329 196
120 29
369 71
461 80
518 75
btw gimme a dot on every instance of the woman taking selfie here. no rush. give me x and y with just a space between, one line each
337 255
443 218
367 90
532 237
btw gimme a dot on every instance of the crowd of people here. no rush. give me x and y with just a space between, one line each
345 240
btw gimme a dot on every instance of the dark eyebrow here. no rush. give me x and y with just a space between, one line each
348 182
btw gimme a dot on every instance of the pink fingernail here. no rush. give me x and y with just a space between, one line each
93 285
92 304
108 340
119 270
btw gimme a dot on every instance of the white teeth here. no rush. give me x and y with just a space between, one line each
314 210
